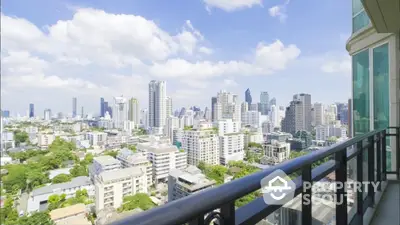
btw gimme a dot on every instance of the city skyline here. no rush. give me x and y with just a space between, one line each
182 49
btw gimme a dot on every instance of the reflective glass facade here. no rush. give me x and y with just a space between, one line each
381 91
360 17
361 101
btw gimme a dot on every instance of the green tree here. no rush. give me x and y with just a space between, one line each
88 159
20 137
37 218
8 212
216 172
111 153
201 165
255 145
139 200
79 170
61 178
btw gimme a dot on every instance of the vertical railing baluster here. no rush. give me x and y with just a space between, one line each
379 161
384 164
360 199
341 178
371 169
398 152
228 213
306 206
197 221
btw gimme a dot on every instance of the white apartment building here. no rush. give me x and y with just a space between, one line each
267 127
129 126
251 118
138 159
164 157
103 163
172 123
120 112
323 132
201 144
182 183
112 186
44 140
96 138
274 116
276 152
231 141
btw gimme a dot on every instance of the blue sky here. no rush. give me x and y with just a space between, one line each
54 50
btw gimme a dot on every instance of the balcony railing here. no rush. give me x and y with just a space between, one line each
218 204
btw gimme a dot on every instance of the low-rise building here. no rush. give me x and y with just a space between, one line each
113 185
136 159
275 153
182 183
74 214
164 157
103 163
37 200
44 140
96 138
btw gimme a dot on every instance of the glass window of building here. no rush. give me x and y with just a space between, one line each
381 92
361 111
360 17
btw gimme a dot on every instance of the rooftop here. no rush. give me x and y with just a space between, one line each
106 160
75 182
67 211
156 147
191 178
119 174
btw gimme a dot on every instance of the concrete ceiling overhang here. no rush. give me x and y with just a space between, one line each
384 14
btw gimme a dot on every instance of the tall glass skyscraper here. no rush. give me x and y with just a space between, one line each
74 105
31 110
102 108
247 97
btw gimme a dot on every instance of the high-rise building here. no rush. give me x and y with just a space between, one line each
274 116
31 110
169 105
74 107
231 141
290 124
157 104
247 97
303 117
47 114
82 113
264 103
134 111
102 107
272 102
144 120
227 106
5 113
213 105
319 114
120 112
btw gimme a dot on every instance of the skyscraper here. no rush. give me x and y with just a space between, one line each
303 117
74 107
134 111
120 112
213 102
264 103
247 97
31 110
272 102
102 107
157 104
47 114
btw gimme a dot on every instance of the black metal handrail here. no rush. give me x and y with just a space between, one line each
192 209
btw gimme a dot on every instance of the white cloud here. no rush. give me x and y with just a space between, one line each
279 11
80 57
338 65
232 5
230 83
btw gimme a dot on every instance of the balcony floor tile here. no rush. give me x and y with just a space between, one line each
388 211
